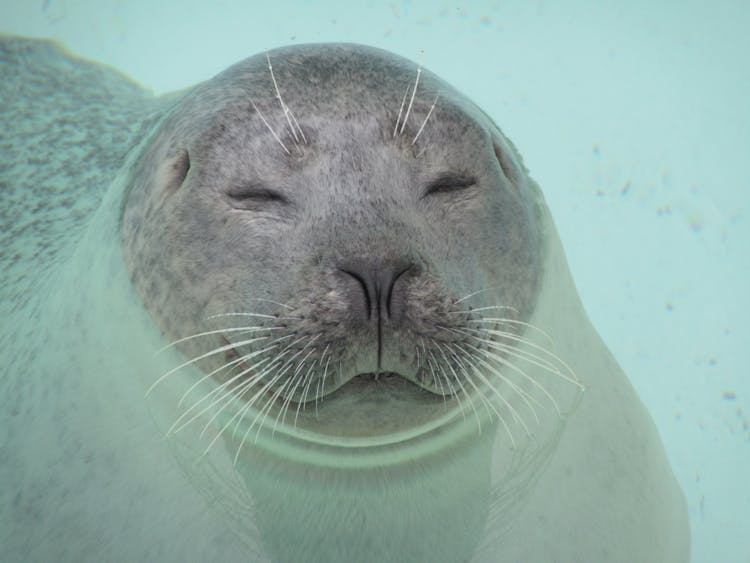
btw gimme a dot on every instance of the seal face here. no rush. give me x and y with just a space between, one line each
336 220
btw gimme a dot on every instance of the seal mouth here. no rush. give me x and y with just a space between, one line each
368 382
367 405
371 405
419 379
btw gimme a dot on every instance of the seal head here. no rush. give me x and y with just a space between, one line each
332 222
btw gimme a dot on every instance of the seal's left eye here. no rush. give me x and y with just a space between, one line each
449 183
255 194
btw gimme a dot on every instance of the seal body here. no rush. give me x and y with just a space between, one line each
312 309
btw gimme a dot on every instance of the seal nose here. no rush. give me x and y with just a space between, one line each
377 284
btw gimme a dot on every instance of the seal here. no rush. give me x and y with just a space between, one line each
320 313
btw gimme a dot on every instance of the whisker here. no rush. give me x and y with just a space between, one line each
411 101
528 397
226 388
178 425
241 330
525 355
488 405
241 389
429 113
240 414
281 415
307 379
257 416
323 381
259 315
306 390
431 358
524 396
286 366
482 291
301 132
460 384
208 354
500 320
234 362
285 405
284 108
234 396
424 349
400 111
230 396
486 400
462 366
298 380
268 126
453 391
572 378
504 362
446 378
514 350
485 308
265 409
270 129
320 387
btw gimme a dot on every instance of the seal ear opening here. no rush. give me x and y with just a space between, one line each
175 171
507 163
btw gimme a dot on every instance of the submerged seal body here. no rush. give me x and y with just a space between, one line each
320 313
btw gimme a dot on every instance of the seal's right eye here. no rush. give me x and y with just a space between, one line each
254 194
449 183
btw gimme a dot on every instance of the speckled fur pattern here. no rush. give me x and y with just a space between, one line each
65 128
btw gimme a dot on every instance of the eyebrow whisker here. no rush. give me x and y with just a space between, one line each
429 113
400 112
284 107
268 126
411 101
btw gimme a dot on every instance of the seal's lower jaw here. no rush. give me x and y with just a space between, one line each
370 411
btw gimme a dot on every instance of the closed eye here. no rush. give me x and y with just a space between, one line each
256 194
447 183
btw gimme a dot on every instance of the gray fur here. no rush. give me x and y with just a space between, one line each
353 198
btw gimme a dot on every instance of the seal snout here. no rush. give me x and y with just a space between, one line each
377 296
375 293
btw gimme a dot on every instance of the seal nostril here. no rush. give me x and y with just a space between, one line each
378 285
365 290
